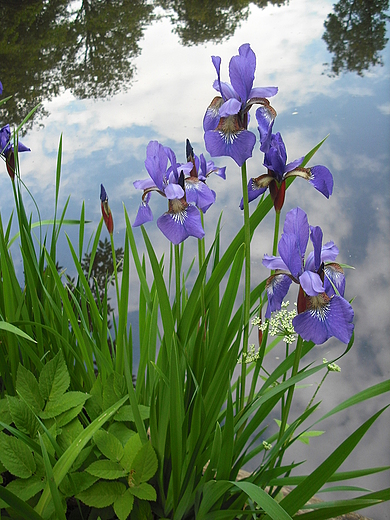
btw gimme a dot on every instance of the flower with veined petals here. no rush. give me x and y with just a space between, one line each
323 311
182 219
106 212
197 191
278 171
226 120
7 150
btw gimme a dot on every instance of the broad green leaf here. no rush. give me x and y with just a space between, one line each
102 494
121 432
144 464
22 416
109 445
126 413
132 447
28 389
26 488
66 417
144 491
76 482
54 379
69 433
4 413
68 458
107 469
16 456
123 505
63 403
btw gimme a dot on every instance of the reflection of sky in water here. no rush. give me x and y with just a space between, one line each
105 141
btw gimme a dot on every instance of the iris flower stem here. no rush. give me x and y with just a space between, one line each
276 233
177 276
247 289
115 268
290 393
201 258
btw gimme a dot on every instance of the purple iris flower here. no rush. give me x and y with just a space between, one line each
275 160
7 149
226 120
182 219
197 191
1 88
323 311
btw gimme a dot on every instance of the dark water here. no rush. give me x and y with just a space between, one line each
111 76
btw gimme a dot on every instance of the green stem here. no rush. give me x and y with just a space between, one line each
317 390
201 258
177 276
247 289
115 268
286 411
276 233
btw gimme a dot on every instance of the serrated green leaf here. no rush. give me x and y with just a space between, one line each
28 389
144 491
109 445
126 413
66 417
62 404
123 505
132 447
22 416
4 413
69 433
144 464
102 494
54 379
26 488
107 469
121 432
16 456
76 482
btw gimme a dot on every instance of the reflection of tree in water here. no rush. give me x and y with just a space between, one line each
200 21
45 46
102 273
103 42
355 34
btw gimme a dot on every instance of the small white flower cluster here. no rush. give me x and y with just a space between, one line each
332 367
266 445
250 356
280 323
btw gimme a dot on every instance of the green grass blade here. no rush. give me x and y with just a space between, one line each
50 479
19 505
309 487
15 330
264 500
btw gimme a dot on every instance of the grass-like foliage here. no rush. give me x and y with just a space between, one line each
85 434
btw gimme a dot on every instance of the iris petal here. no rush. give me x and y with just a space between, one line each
324 319
277 287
